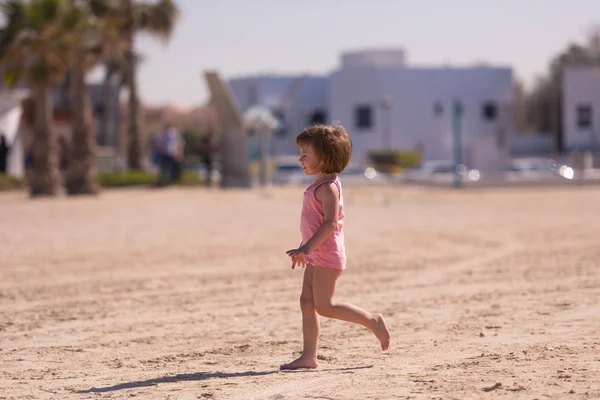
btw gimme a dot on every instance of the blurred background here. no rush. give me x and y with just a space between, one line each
101 93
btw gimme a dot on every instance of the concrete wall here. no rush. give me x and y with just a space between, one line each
419 99
414 93
10 127
581 88
310 96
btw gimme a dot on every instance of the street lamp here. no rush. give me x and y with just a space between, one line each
457 111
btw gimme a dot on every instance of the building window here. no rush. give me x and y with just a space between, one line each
252 94
584 116
318 116
363 117
99 110
438 109
489 111
279 114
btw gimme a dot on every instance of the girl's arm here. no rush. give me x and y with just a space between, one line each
329 196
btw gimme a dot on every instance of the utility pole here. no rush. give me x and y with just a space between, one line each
457 111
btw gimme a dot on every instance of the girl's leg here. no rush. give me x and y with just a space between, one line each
324 281
310 325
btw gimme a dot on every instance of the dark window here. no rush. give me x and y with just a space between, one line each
489 111
584 116
99 110
252 94
317 117
363 117
281 117
438 109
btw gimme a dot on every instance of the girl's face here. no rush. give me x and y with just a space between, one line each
309 160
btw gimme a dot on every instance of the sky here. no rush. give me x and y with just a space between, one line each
242 37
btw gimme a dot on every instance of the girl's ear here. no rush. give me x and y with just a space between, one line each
321 165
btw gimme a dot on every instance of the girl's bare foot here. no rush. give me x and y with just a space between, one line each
300 362
382 332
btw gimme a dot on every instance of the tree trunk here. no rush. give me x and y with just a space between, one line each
134 148
82 169
43 176
104 137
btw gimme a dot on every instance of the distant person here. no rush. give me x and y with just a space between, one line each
4 151
324 153
63 153
155 151
206 153
170 149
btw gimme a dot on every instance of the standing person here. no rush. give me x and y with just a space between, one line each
206 151
4 150
324 153
171 154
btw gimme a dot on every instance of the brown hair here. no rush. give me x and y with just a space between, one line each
332 145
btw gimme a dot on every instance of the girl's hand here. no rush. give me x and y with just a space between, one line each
298 256
300 260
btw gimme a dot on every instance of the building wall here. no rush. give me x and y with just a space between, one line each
420 103
581 91
298 97
10 127
374 58
61 101
11 122
414 93
114 111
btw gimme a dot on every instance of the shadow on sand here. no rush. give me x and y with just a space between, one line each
201 376
287 371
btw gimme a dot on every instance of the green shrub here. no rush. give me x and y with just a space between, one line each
10 183
190 179
395 160
115 179
127 178
141 178
192 142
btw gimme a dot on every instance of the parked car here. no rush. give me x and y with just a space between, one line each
360 175
537 168
200 169
291 173
440 171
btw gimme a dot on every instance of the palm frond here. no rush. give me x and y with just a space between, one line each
157 19
14 15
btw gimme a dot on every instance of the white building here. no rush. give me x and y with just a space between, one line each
11 129
11 125
299 101
581 108
386 104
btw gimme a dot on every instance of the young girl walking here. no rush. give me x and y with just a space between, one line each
325 151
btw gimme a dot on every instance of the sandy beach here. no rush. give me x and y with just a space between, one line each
188 294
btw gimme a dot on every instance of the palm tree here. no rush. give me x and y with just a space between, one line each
112 72
91 36
157 19
35 49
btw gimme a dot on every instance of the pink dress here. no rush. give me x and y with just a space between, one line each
332 252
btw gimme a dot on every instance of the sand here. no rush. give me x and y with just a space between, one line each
188 294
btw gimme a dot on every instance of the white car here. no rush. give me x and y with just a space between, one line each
293 174
537 168
440 171
361 175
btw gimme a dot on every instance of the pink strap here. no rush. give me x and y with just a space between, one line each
335 180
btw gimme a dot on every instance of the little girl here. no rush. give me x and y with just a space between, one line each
325 152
